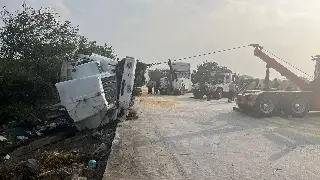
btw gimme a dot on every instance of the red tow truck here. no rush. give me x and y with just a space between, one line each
269 102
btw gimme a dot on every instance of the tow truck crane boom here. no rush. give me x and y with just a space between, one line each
294 103
272 63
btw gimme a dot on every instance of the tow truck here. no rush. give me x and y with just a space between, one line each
270 102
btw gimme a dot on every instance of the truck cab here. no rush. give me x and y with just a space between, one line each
97 89
224 80
181 85
163 85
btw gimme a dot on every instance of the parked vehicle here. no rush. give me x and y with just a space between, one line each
215 89
181 80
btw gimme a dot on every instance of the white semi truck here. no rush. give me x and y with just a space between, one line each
96 89
181 82
217 89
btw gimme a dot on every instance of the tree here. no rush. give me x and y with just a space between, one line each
208 71
275 83
33 45
88 47
157 74
37 41
245 79
140 79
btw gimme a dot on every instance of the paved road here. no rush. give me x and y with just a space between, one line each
185 138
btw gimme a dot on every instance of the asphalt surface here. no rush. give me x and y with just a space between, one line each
185 138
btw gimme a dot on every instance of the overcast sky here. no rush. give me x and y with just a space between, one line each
155 30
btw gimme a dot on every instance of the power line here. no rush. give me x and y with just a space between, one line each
289 63
199 55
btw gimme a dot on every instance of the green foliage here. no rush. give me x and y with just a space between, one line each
245 79
33 45
140 79
88 47
208 71
157 74
38 40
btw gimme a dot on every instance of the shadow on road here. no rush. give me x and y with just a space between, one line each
288 133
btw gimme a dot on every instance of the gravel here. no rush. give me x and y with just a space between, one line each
185 138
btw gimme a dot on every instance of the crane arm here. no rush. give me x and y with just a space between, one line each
272 63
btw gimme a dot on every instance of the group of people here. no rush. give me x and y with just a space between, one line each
153 87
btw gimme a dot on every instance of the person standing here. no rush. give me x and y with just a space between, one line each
150 86
157 87
231 92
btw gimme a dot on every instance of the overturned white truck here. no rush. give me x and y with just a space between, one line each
96 89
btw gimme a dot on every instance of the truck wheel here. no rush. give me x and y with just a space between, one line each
198 96
266 106
162 91
297 108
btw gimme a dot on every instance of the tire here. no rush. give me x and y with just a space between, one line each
162 91
198 95
298 107
266 106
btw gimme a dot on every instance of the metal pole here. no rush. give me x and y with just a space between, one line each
170 77
267 78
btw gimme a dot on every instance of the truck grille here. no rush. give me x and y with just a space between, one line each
109 85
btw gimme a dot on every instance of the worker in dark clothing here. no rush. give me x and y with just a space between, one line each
202 86
150 86
156 87
231 92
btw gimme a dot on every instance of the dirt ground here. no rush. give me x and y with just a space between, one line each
199 139
61 155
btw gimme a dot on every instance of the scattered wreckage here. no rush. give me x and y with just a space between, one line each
94 91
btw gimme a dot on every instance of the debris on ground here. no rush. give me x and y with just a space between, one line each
22 138
3 139
92 163
133 114
152 101
7 157
54 149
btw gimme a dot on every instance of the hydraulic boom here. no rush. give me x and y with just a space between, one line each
272 63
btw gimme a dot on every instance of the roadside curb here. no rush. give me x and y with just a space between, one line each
113 156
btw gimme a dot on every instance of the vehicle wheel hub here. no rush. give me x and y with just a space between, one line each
299 106
266 106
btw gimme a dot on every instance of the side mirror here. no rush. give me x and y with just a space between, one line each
74 70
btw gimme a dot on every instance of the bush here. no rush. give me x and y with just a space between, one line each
22 95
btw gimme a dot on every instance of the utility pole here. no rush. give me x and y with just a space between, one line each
170 77
267 78
316 81
317 66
